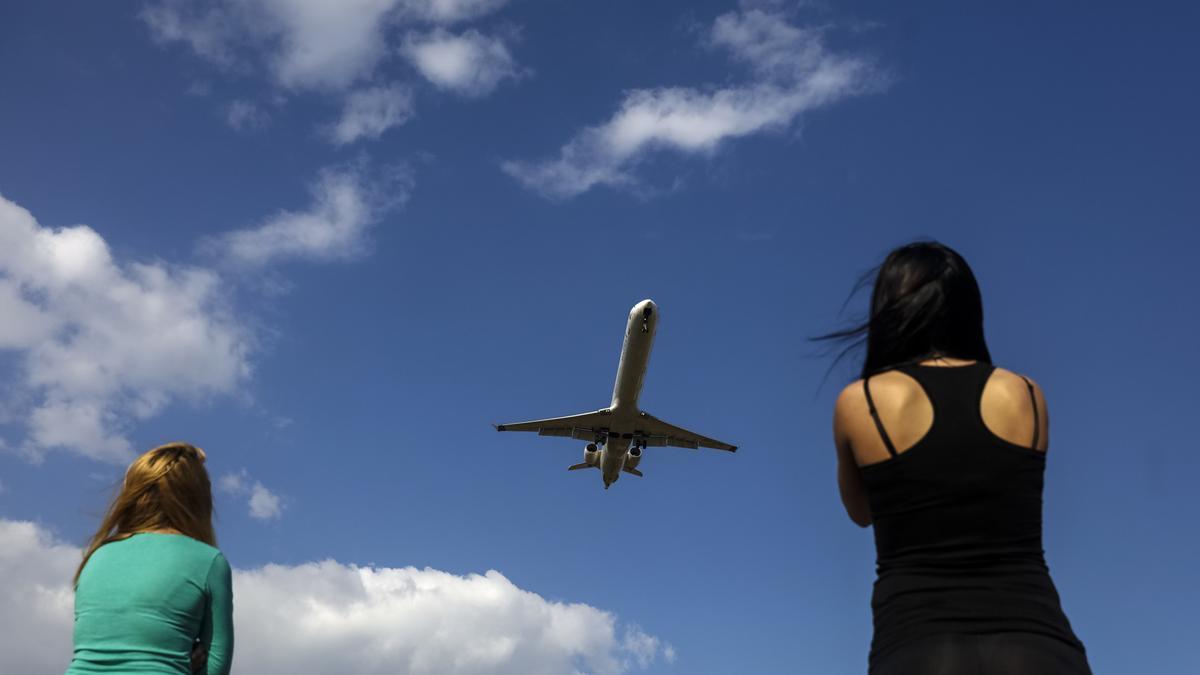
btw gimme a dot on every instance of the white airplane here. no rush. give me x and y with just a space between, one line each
617 434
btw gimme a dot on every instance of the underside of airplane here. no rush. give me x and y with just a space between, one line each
617 435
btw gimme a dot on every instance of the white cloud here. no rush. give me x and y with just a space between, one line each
246 115
345 205
36 601
470 64
771 45
329 617
208 31
99 343
339 49
645 648
263 504
368 113
448 11
305 44
324 45
793 73
233 483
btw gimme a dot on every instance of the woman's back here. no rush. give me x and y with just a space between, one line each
960 496
956 509
142 601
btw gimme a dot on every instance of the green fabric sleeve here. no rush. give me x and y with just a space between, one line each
219 622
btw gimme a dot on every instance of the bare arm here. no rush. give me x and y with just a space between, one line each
850 485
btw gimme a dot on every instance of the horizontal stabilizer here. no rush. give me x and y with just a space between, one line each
576 467
632 471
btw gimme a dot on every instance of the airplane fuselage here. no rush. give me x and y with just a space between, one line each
631 372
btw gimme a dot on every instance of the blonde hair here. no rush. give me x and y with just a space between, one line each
166 488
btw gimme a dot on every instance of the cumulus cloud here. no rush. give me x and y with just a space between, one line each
246 115
323 45
263 504
345 205
36 600
99 343
330 617
470 64
368 113
792 70
304 44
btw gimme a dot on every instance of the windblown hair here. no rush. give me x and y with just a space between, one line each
165 488
925 304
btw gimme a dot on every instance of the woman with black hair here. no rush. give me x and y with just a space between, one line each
944 453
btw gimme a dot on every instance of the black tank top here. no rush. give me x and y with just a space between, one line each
958 524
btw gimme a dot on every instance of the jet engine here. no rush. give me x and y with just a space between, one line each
632 459
591 454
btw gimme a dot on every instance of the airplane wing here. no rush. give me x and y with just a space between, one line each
659 433
584 426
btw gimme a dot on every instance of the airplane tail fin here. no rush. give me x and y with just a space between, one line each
576 467
632 471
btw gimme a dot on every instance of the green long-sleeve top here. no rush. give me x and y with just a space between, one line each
142 601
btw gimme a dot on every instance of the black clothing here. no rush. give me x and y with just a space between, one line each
958 538
984 654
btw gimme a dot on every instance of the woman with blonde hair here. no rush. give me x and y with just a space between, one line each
153 594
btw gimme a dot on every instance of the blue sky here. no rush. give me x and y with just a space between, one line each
332 251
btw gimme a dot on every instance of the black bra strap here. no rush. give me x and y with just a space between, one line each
1033 399
875 416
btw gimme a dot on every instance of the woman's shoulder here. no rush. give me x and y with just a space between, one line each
156 554
174 545
1013 383
196 547
893 389
887 385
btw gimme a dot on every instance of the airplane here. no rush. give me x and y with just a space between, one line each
617 434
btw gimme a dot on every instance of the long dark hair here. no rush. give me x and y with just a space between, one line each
925 303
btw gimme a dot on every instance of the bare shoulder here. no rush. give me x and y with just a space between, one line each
887 389
1006 409
902 408
892 392
1013 386
851 398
